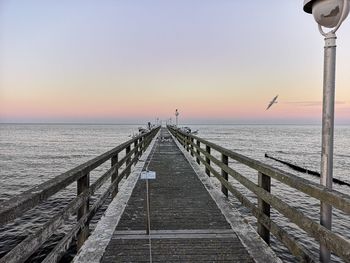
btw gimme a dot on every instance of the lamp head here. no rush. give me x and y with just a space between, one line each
327 13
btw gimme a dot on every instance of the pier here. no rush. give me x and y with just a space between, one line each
190 219
186 223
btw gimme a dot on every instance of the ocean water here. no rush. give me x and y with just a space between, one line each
32 154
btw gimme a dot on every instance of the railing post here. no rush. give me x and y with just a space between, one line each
141 145
198 152
264 182
207 160
83 185
127 151
114 161
136 154
191 146
224 160
187 143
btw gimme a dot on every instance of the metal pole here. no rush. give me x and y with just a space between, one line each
148 218
327 133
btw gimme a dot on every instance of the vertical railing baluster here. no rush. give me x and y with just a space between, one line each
187 138
136 154
141 145
83 185
264 182
198 152
114 176
127 151
224 160
207 160
192 141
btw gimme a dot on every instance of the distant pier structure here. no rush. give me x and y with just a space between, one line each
164 207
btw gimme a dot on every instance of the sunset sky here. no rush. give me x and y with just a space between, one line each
129 61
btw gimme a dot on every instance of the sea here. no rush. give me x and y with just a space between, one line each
31 154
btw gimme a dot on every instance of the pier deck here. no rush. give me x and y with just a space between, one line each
187 225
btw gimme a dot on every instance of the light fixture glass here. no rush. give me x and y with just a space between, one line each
328 13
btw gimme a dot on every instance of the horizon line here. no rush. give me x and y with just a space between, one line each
210 124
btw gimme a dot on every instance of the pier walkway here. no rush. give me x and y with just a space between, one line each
191 220
188 220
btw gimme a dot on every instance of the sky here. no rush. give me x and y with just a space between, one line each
130 61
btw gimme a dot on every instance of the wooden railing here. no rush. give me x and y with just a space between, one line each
337 244
18 205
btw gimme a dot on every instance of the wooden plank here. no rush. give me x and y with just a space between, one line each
177 236
174 231
178 250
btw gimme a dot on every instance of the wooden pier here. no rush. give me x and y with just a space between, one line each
190 219
186 223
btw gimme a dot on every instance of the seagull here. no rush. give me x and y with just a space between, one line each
273 101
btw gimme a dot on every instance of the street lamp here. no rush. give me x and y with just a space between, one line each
329 14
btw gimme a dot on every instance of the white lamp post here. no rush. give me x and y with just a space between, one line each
330 14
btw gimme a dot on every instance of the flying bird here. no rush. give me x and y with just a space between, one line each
273 101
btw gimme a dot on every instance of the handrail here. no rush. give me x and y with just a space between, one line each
318 191
338 244
18 205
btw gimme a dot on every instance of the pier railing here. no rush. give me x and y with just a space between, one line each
18 205
203 150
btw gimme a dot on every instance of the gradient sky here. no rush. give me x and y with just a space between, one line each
217 61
